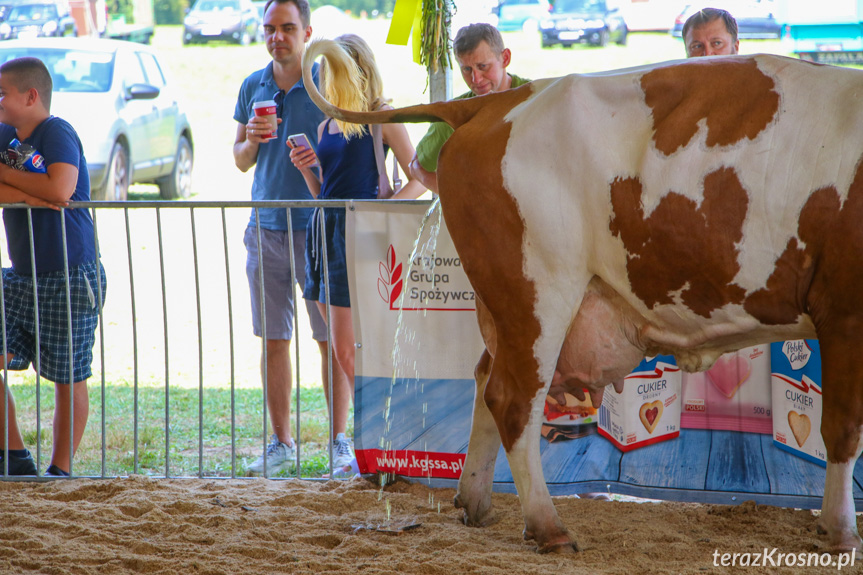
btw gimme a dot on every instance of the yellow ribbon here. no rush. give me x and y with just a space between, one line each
406 25
402 22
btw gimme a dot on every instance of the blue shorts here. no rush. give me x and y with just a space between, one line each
337 258
278 284
53 321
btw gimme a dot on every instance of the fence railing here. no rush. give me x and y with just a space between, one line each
180 390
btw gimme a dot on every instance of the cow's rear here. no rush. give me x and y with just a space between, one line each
688 208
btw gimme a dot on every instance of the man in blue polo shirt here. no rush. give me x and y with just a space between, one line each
287 29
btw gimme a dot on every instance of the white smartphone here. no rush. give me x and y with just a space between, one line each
301 141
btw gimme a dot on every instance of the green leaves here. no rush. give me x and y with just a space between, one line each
436 18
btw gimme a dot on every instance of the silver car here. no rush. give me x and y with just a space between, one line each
117 98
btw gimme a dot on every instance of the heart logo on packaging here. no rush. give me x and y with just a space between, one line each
800 425
729 372
649 414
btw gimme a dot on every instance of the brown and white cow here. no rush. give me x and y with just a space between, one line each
688 208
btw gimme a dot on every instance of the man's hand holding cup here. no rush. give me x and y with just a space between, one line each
262 126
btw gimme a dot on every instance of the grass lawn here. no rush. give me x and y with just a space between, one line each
135 430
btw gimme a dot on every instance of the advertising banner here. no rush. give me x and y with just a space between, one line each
414 318
706 437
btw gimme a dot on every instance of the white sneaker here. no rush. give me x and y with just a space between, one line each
343 451
279 456
346 472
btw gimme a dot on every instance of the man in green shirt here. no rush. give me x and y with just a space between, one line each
482 60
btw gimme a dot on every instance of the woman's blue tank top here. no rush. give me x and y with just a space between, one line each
349 169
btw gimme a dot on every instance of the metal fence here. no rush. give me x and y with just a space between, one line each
172 299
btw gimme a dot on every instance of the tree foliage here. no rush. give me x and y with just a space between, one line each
123 8
170 11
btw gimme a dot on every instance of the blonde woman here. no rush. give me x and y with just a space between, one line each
348 170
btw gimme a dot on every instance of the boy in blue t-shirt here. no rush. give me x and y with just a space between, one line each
55 174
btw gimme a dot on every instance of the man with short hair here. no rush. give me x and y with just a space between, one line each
710 32
482 60
287 28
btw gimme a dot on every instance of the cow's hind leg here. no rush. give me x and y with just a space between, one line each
475 484
515 397
842 430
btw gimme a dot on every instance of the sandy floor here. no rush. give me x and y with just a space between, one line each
141 525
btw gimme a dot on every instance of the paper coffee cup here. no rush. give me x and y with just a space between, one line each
267 109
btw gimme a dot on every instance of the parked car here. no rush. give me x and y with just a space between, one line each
521 14
583 21
116 96
232 20
755 18
35 19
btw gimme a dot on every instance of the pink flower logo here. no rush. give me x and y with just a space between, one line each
390 280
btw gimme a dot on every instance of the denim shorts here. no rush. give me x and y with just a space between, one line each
337 259
278 284
54 314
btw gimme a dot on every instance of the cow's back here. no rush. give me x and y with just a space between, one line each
681 185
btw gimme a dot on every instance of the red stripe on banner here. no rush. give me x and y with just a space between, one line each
643 443
411 463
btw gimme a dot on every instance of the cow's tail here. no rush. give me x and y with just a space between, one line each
346 78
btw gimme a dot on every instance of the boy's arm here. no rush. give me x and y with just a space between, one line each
10 195
55 186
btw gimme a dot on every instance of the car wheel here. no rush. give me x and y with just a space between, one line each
179 183
116 187
245 39
622 40
599 38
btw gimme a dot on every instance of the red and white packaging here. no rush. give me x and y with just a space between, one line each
267 109
797 399
647 411
733 395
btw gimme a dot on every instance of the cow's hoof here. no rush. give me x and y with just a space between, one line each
841 540
846 544
475 517
559 547
485 520
560 544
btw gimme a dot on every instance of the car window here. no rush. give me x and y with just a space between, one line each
579 6
217 5
152 69
131 70
32 12
71 70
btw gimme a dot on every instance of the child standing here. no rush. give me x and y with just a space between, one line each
56 174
